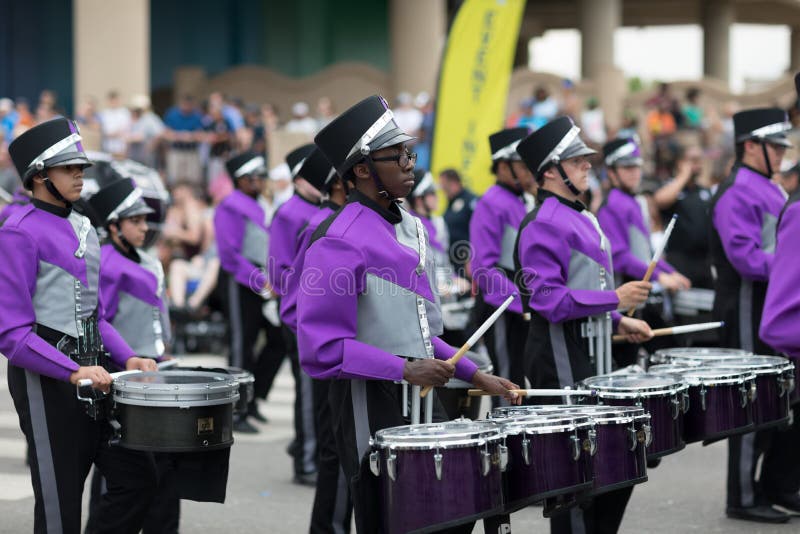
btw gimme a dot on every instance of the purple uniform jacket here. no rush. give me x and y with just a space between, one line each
133 299
50 276
433 236
242 236
369 296
289 299
623 222
493 232
779 323
564 266
19 201
284 236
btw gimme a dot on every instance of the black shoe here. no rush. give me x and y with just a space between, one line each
253 412
305 479
243 425
787 502
762 514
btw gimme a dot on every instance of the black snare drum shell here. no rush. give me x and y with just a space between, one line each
172 429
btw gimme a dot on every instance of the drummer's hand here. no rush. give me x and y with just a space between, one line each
632 294
674 281
429 372
99 376
634 330
141 364
496 385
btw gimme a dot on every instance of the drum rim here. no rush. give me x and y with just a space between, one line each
607 414
709 375
129 389
622 392
386 437
542 424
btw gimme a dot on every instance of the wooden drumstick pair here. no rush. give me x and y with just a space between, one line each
657 256
675 330
474 338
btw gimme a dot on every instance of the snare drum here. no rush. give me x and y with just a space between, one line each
548 456
245 379
774 380
175 411
695 355
438 475
719 401
664 397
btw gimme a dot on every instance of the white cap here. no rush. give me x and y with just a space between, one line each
299 108
281 172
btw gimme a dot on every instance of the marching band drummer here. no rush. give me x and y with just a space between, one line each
54 335
493 232
368 315
779 329
132 297
744 213
565 275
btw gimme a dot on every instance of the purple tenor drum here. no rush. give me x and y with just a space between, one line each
664 397
438 475
719 400
695 355
548 455
774 379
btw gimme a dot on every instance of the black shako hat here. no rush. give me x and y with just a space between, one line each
317 170
118 200
364 128
53 143
762 124
504 143
622 152
297 157
552 143
244 164
423 184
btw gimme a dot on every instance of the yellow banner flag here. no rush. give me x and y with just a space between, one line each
473 87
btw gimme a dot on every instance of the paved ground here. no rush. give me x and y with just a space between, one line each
685 494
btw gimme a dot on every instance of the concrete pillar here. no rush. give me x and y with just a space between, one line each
794 51
417 30
111 40
189 81
717 18
599 19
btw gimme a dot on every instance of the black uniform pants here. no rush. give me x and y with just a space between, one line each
780 469
505 341
243 308
602 515
63 444
304 446
333 507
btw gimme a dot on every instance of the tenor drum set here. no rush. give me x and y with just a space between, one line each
442 474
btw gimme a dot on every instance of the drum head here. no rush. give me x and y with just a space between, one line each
696 355
634 385
757 364
459 433
716 375
603 414
176 388
544 423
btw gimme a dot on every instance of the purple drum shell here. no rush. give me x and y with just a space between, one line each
417 500
667 431
723 416
615 466
552 470
770 408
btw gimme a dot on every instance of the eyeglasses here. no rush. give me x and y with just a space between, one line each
402 159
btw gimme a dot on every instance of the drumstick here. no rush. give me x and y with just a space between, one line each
166 364
85 382
475 337
537 392
675 330
657 256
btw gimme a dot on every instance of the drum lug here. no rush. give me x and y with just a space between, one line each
744 392
634 437
391 465
782 383
437 464
591 442
375 463
648 434
526 449
703 397
575 444
486 459
676 406
685 403
753 391
116 432
503 456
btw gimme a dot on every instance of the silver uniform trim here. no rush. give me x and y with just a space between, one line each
746 315
561 355
296 169
371 133
422 312
341 504
508 152
129 201
562 145
769 233
501 352
139 324
54 299
625 150
358 393
251 165
55 149
770 129
506 260
309 433
237 358
44 454
255 243
746 458
639 244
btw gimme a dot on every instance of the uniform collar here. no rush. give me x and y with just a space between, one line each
751 169
52 208
392 215
515 192
544 194
330 204
304 199
132 255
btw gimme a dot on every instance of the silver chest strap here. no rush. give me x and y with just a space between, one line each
422 312
158 271
83 233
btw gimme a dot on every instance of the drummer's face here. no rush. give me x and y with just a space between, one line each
577 170
629 177
134 229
